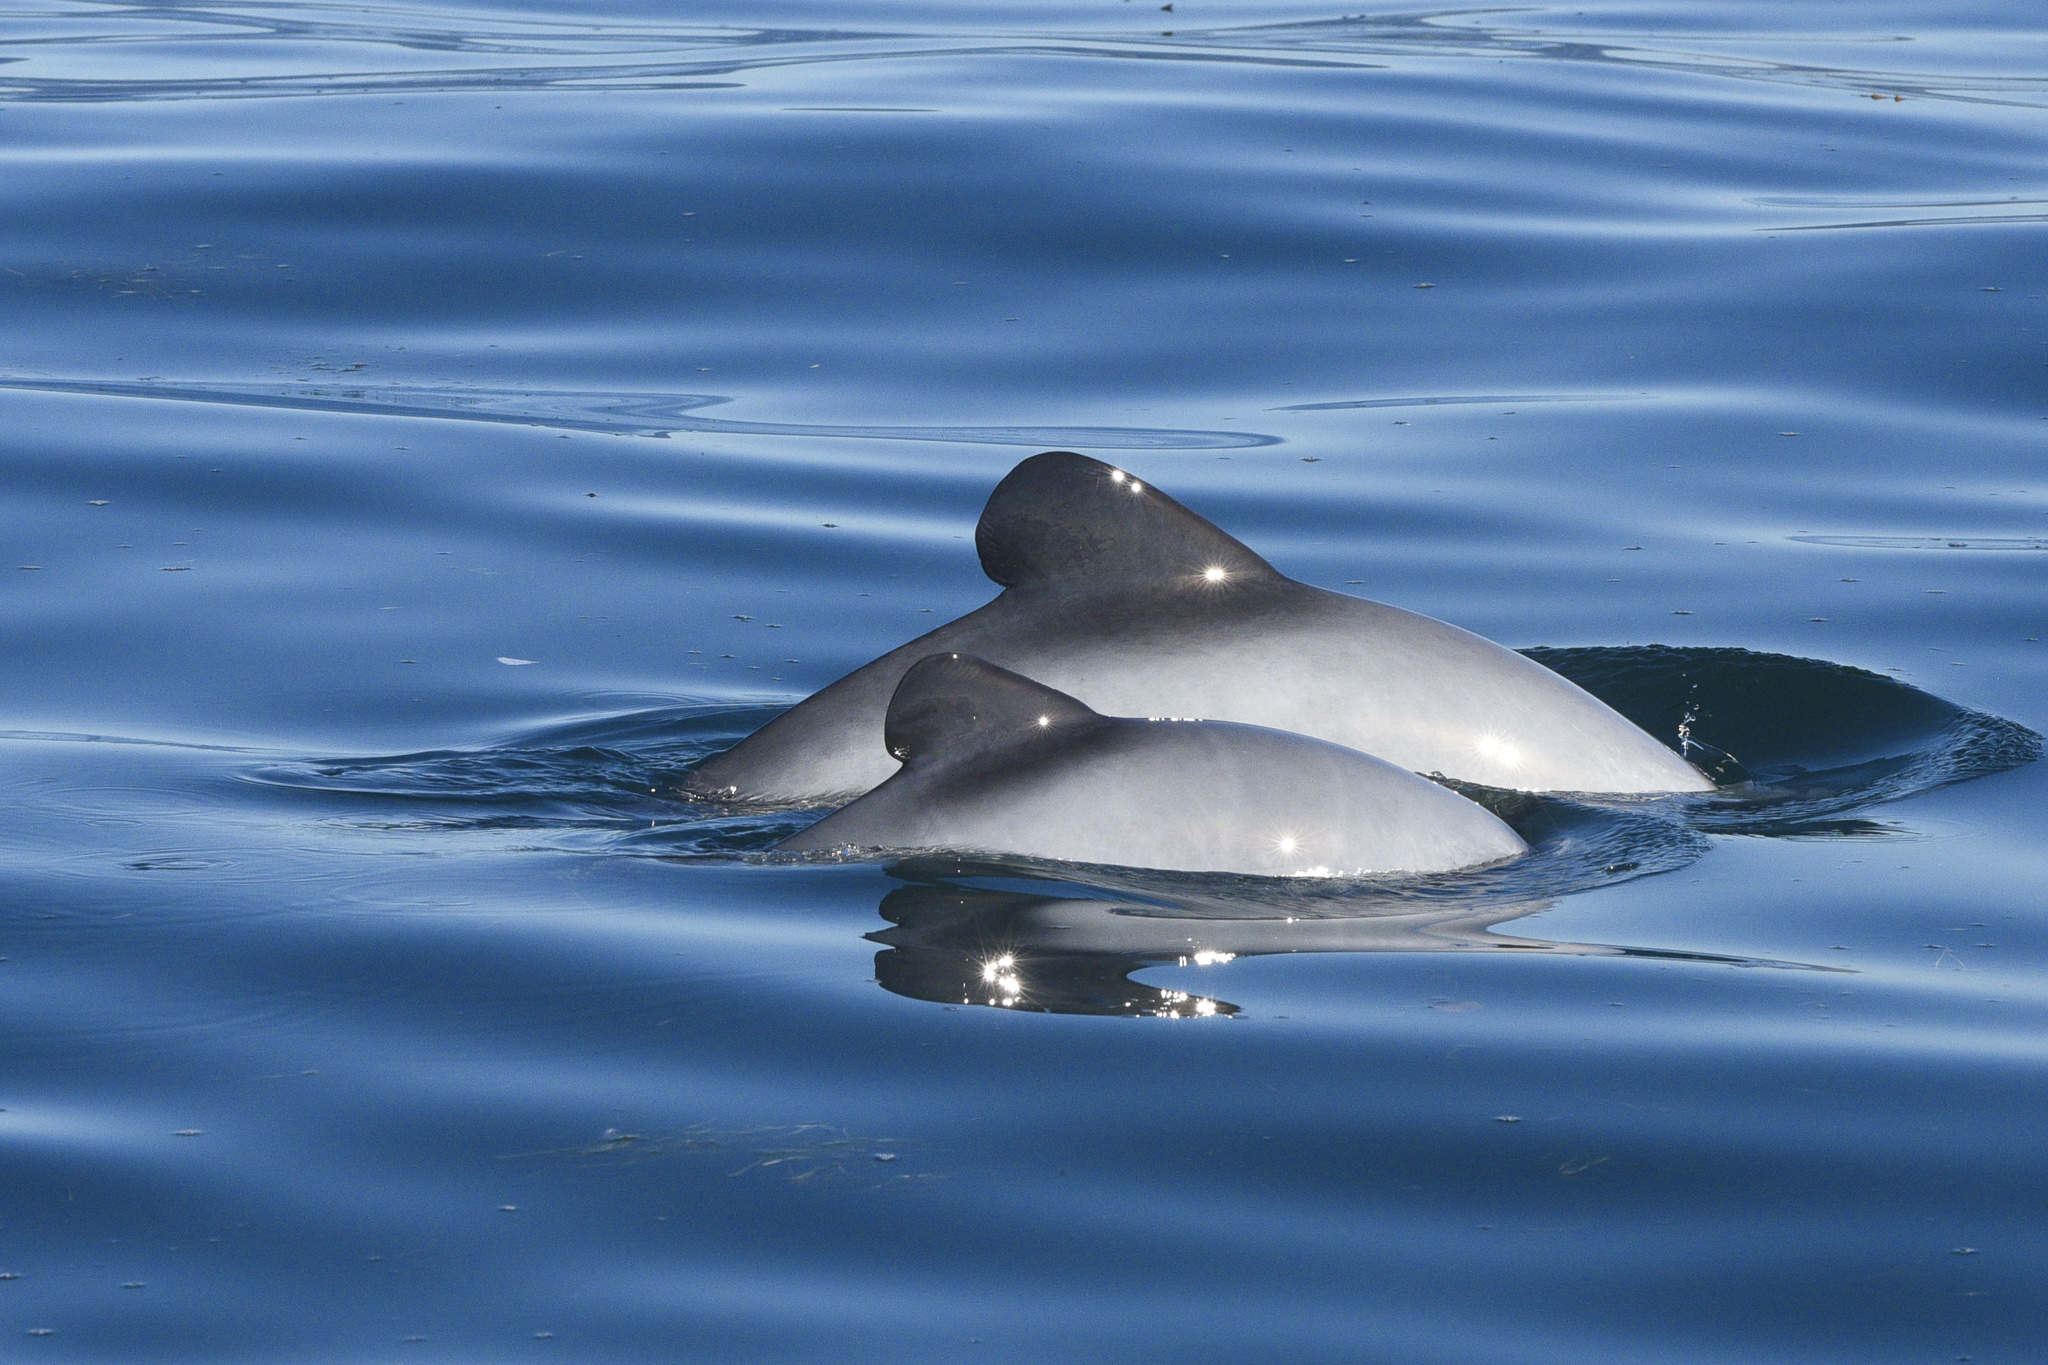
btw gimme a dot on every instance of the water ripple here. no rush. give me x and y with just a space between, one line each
1448 399
1928 542
626 414
1341 42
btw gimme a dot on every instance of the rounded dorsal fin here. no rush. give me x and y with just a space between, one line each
952 701
1064 516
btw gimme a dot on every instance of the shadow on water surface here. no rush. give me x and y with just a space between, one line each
1795 745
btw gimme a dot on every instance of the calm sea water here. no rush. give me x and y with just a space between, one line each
429 428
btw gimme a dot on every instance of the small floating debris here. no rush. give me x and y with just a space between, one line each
1425 285
96 502
1681 613
177 568
1507 1118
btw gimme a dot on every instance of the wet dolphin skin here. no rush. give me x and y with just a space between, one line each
997 763
1117 595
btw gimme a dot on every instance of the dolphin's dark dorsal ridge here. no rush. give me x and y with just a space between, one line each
955 702
1064 517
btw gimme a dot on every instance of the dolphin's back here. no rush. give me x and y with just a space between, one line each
1123 598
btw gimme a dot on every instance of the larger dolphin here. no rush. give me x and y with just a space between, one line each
997 763
1115 593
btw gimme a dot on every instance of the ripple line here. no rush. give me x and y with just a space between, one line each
1446 400
629 414
1928 542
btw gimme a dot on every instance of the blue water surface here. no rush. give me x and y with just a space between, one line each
429 428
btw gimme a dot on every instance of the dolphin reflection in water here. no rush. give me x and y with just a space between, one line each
969 945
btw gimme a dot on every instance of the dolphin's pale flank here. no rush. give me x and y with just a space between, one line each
996 763
1115 593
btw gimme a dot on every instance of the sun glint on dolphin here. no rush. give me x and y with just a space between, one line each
997 763
1115 593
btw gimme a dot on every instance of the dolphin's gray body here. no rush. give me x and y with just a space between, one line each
996 763
1117 594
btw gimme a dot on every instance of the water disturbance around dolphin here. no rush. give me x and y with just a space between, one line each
1118 595
999 763
1804 749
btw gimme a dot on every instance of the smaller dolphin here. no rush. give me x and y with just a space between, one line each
995 762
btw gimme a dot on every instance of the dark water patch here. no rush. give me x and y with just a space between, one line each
1792 742
621 414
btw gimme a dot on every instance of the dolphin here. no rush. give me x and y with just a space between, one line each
993 762
1117 594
